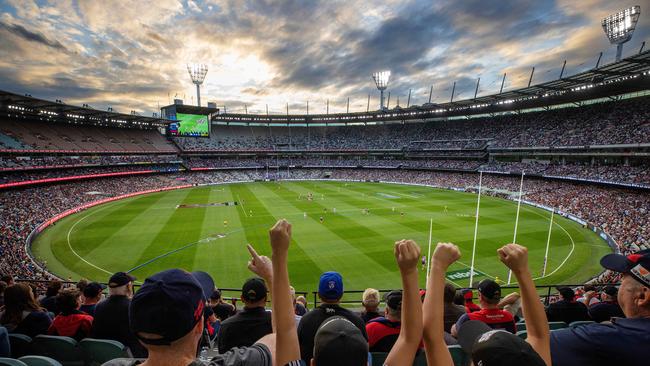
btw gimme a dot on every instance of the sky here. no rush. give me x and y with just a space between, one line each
133 55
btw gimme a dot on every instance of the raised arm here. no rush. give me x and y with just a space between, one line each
515 257
407 254
286 345
433 308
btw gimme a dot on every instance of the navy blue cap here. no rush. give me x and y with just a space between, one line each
394 299
206 282
168 304
636 265
330 286
490 289
254 289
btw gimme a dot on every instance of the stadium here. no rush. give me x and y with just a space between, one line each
558 163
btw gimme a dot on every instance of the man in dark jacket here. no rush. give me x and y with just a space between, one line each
567 310
330 291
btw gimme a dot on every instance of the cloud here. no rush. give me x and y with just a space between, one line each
30 36
132 55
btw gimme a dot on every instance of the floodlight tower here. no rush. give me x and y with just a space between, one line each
619 27
197 74
381 80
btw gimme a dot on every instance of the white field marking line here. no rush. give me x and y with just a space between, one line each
404 194
241 203
70 245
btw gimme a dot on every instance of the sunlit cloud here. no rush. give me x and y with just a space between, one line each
131 55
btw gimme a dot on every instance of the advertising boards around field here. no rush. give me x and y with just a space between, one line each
463 274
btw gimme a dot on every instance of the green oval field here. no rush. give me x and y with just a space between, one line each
196 229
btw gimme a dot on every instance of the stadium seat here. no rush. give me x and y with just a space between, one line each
523 334
580 322
458 355
20 344
11 362
98 351
556 325
521 326
420 359
63 349
39 361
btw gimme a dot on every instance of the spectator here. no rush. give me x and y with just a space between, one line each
338 336
167 317
81 285
620 342
49 301
383 331
221 309
608 307
301 299
370 302
567 310
70 322
330 291
111 320
452 311
489 295
589 295
298 308
252 323
486 345
468 298
22 314
92 296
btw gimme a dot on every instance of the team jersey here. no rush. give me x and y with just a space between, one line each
495 318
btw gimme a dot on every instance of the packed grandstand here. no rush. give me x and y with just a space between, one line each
588 158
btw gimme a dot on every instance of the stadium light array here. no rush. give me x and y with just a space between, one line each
620 26
381 80
197 74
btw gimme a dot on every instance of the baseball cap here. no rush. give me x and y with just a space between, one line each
330 286
205 280
393 300
168 304
566 292
254 289
636 265
120 279
490 289
339 342
93 289
496 347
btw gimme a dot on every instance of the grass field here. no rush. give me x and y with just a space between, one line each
148 233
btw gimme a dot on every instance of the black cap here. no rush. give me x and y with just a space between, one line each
120 279
496 347
489 289
254 289
339 342
93 289
216 295
636 265
566 292
393 300
169 304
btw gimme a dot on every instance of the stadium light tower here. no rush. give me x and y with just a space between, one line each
619 27
197 74
381 80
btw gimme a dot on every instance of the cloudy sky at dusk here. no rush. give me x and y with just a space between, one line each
132 55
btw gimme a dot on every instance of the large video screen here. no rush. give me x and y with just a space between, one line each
190 125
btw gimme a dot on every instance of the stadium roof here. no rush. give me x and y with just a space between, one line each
626 76
26 106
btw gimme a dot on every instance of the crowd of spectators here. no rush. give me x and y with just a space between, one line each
28 162
621 122
32 175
